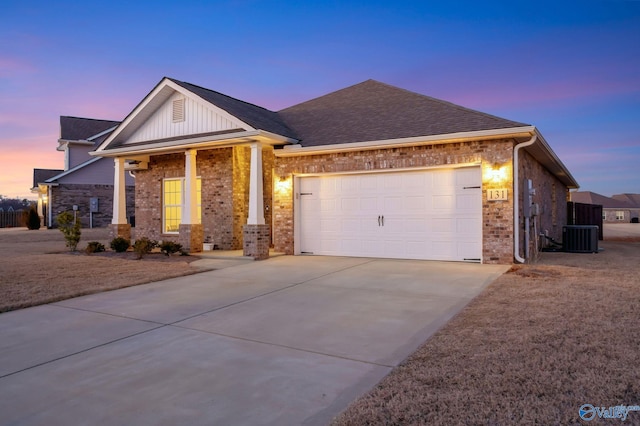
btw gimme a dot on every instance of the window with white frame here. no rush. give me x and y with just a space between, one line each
173 203
619 215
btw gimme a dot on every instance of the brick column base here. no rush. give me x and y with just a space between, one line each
191 237
256 241
120 230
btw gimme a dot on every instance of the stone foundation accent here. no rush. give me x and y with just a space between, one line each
257 239
191 237
120 230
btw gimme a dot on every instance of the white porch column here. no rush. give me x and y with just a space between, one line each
119 194
256 202
190 214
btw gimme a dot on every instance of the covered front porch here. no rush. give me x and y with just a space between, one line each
218 193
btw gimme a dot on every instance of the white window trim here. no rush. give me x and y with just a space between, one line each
181 205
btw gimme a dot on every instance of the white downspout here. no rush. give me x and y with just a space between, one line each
516 195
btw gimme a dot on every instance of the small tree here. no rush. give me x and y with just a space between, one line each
33 220
70 228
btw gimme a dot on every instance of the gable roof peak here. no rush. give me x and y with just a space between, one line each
254 115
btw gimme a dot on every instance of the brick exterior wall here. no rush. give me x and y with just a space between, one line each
256 241
550 195
611 214
224 173
497 217
65 196
225 190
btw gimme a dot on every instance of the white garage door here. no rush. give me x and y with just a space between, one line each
428 214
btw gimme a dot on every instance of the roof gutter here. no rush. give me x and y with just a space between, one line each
516 202
512 132
203 142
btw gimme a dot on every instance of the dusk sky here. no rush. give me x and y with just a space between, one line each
571 68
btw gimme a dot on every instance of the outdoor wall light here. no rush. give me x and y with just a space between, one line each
283 184
499 174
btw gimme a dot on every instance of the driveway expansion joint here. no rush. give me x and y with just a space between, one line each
80 352
244 339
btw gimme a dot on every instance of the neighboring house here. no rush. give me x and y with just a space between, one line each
619 208
370 170
86 183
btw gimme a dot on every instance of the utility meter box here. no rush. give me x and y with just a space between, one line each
93 205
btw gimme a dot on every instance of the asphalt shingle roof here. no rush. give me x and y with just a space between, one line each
632 199
588 197
372 110
41 175
256 116
76 128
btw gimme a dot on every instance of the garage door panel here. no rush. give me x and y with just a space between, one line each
418 225
443 250
467 251
328 205
394 248
368 184
468 177
392 181
467 201
443 179
442 224
329 226
347 184
415 203
468 226
443 202
417 249
368 203
434 214
349 205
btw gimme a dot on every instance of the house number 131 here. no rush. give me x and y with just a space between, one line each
497 194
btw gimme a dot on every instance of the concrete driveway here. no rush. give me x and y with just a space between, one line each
289 340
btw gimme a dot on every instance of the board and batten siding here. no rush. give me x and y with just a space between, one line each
198 118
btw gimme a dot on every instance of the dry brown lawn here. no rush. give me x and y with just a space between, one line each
37 268
538 343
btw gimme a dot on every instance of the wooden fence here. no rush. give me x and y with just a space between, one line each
13 219
585 214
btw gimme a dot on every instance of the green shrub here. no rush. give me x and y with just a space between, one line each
144 246
169 247
120 244
33 220
94 247
70 228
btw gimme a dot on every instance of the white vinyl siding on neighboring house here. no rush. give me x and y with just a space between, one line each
173 204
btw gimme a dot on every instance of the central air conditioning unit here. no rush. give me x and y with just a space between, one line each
580 238
131 165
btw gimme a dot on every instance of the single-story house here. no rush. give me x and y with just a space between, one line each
86 183
620 208
369 170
